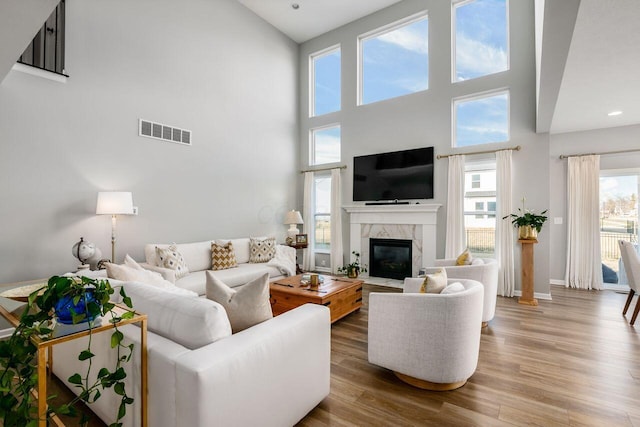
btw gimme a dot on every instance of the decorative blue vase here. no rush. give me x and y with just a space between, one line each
64 305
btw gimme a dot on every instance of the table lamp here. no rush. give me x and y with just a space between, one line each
292 219
114 203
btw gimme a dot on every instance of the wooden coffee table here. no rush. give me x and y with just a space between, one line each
341 295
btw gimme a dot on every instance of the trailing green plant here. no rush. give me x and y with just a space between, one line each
18 354
528 217
355 265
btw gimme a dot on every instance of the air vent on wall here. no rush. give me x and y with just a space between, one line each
164 132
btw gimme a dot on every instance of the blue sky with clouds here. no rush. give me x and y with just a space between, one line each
396 63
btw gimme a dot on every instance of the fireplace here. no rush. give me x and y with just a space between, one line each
390 258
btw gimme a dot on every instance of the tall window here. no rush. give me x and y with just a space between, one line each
325 145
618 221
46 50
481 119
394 60
322 213
325 82
481 38
480 206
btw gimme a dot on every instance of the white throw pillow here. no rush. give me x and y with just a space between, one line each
132 274
453 288
172 259
261 249
434 283
477 261
246 305
188 320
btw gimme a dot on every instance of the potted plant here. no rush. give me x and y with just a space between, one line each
353 269
528 223
66 300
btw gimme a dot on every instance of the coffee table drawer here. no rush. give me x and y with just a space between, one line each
345 302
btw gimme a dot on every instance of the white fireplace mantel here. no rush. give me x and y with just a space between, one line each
425 215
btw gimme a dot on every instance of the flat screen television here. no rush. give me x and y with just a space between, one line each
399 175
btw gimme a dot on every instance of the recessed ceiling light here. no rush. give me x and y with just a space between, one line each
614 113
295 6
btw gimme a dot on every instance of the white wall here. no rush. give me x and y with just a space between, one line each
424 119
611 139
209 66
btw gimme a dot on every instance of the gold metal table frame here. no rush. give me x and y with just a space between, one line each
46 347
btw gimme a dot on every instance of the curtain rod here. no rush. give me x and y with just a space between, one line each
565 156
324 169
443 156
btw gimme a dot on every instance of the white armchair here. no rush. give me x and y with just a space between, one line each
485 273
430 341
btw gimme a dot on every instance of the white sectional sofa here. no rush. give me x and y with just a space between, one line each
198 259
271 374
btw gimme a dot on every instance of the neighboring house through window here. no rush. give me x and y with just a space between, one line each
480 206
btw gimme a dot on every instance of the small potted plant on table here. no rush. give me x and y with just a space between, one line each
353 269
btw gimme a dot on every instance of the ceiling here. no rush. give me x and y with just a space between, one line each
602 69
313 17
595 73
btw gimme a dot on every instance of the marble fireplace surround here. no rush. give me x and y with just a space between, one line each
417 223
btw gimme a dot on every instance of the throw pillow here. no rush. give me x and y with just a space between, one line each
131 274
464 258
434 283
453 288
188 320
261 250
246 305
222 256
172 259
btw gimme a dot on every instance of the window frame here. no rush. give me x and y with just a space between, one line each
474 97
459 3
312 78
316 213
312 143
378 32
479 164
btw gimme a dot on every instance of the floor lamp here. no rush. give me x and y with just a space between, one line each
114 203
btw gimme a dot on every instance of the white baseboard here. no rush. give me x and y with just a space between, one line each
323 270
536 295
556 282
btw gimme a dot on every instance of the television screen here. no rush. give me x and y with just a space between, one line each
399 175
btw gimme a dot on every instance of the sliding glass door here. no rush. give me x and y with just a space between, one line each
618 221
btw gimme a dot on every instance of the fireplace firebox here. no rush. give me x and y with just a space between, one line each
390 258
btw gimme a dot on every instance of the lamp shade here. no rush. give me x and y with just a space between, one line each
114 203
293 217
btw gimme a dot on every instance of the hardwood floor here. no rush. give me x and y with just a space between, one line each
573 361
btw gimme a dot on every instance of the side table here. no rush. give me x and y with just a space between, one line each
45 347
298 246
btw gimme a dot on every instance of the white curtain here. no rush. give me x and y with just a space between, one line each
336 221
584 264
309 257
455 237
504 228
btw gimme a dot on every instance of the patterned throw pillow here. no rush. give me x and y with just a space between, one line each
172 259
261 250
434 283
223 256
464 258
